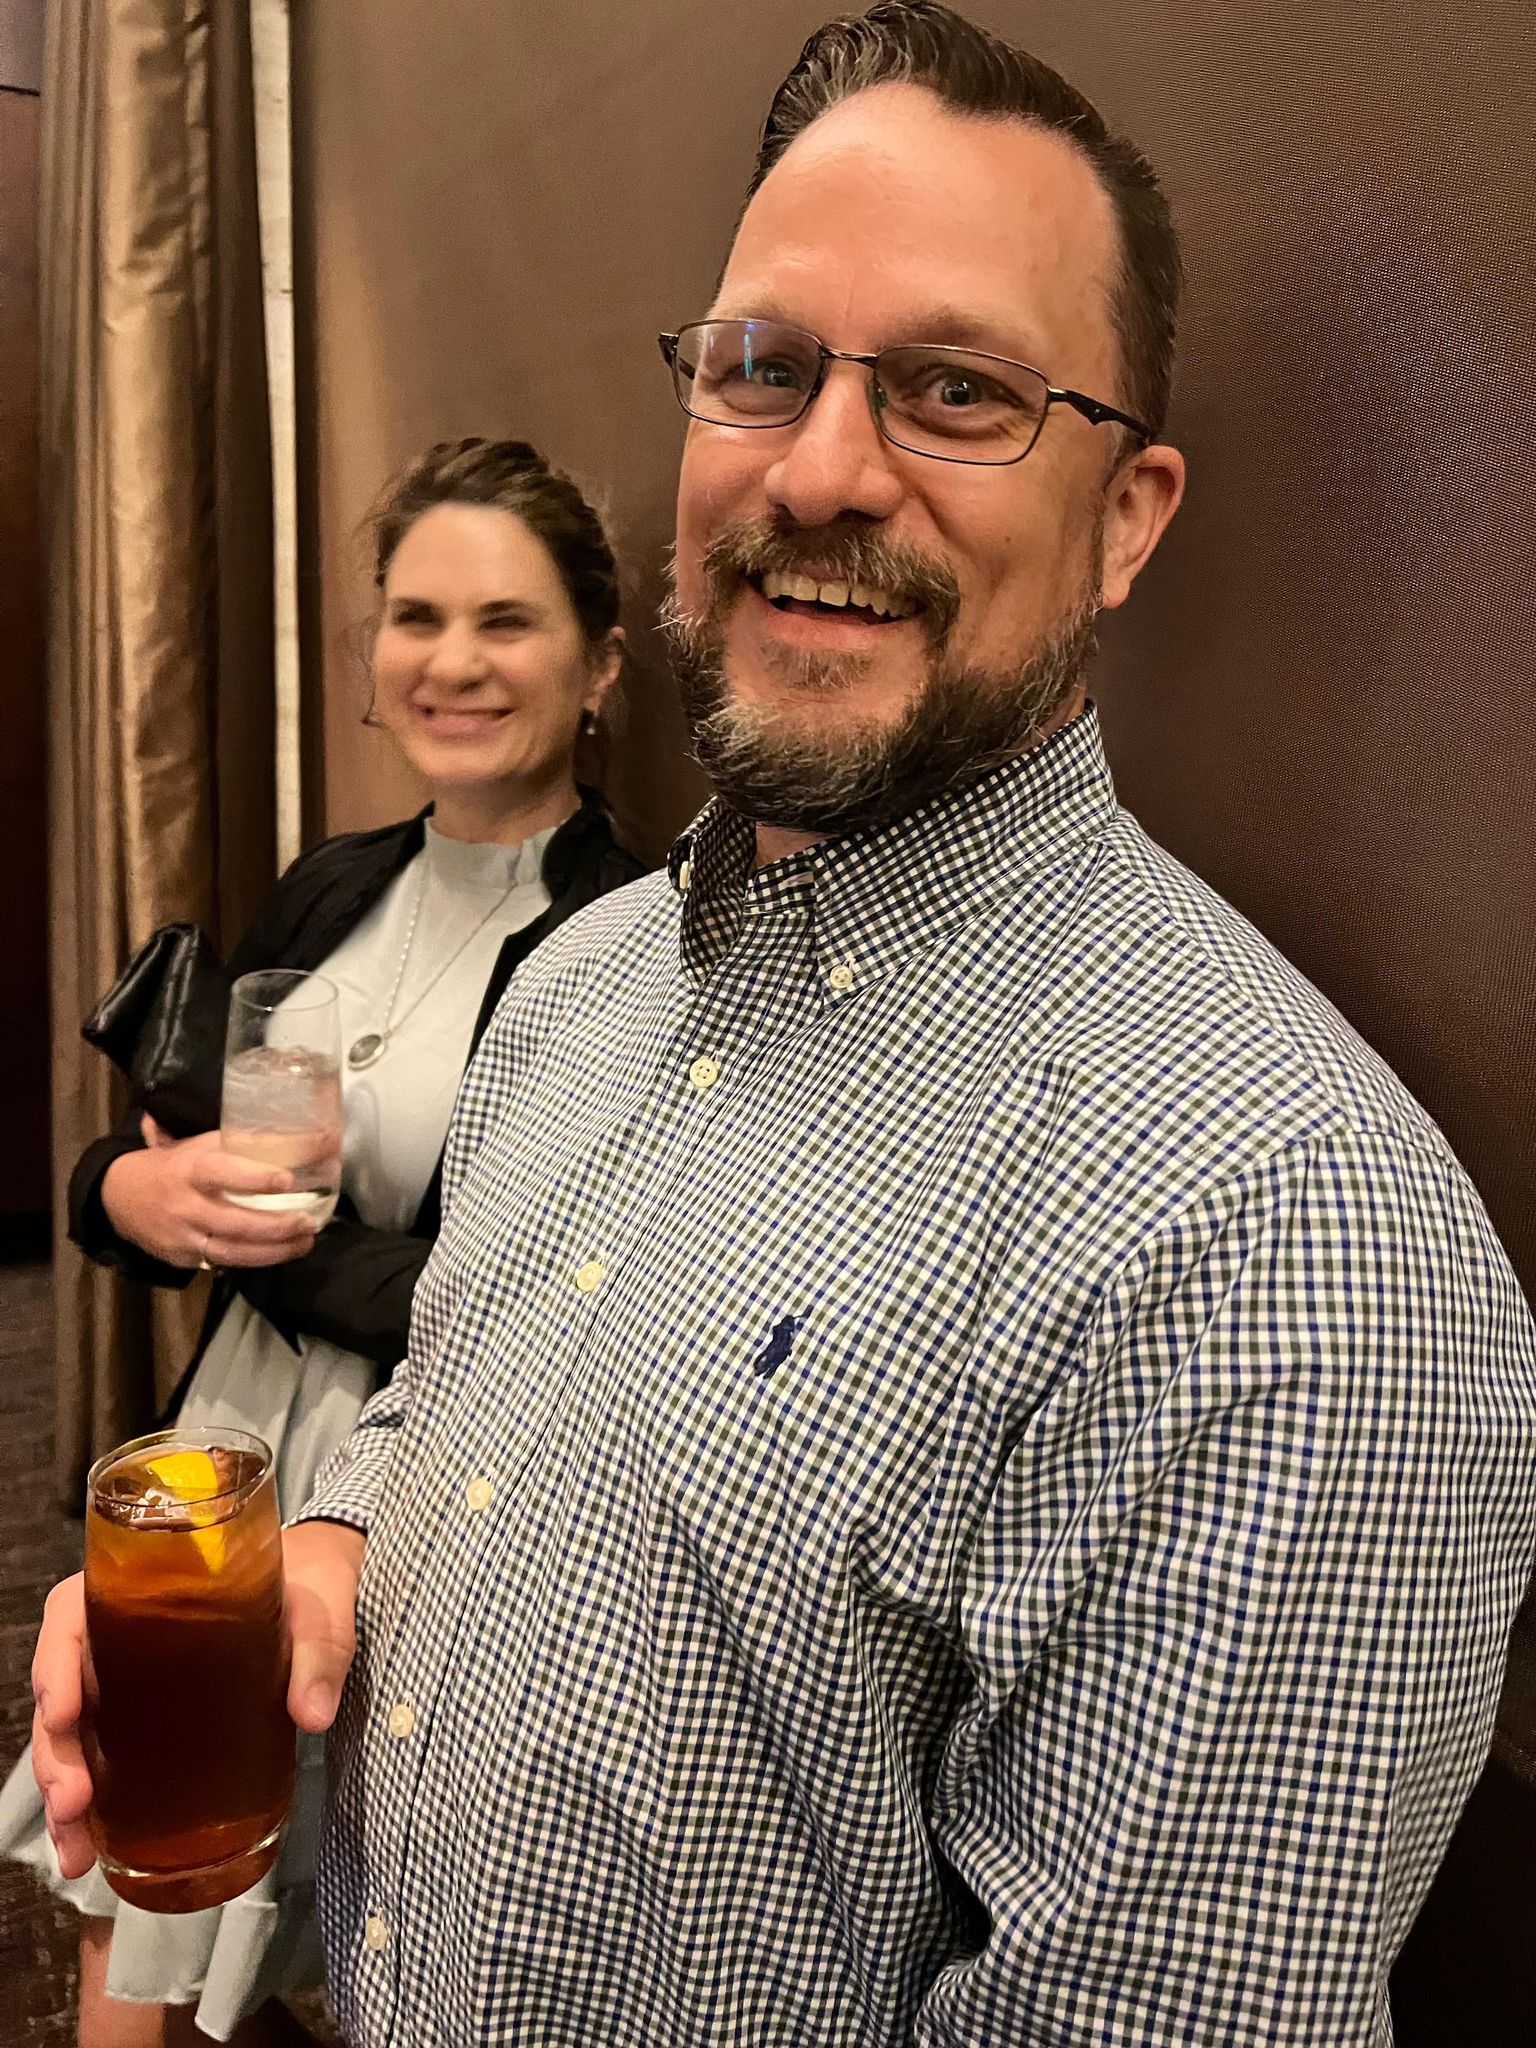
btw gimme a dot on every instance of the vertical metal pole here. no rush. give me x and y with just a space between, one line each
274 183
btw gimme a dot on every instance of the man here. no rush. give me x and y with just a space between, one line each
966 1456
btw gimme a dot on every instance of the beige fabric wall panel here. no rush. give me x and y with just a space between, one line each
498 210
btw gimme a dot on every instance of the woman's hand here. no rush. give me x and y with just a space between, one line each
170 1200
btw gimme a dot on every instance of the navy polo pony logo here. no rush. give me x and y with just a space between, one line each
780 1342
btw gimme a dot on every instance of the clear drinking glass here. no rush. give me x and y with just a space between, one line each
282 1085
185 1724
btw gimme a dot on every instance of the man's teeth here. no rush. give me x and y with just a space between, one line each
806 590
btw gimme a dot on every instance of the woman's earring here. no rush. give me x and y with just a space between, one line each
588 725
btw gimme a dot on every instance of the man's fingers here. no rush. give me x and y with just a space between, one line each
65 1783
57 1660
58 1764
57 1760
73 1845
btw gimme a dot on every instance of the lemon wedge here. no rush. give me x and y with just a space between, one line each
191 1477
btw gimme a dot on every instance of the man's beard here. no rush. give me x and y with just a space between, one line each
962 721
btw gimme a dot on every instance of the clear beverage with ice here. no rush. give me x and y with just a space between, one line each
282 1086
282 1107
185 1725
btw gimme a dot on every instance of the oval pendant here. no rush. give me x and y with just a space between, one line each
365 1050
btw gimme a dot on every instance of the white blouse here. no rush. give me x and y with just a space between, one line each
465 899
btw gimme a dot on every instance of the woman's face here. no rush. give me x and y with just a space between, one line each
480 668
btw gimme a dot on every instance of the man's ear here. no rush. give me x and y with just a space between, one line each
1142 497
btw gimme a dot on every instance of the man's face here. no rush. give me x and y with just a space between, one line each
893 220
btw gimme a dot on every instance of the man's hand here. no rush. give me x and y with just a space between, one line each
322 1562
56 1756
170 1200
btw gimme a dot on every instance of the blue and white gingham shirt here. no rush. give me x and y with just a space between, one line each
965 1464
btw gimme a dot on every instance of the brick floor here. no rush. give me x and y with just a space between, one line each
37 1546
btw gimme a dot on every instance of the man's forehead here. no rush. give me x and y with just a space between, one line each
892 198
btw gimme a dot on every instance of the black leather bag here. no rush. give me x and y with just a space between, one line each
162 1023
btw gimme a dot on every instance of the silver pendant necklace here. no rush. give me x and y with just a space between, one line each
372 1045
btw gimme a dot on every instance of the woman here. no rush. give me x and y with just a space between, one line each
497 642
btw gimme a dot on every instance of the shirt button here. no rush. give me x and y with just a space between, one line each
375 1933
704 1073
590 1276
402 1719
478 1495
684 877
841 976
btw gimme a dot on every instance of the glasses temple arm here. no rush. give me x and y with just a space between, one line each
1097 413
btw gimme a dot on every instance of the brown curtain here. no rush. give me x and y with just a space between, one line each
156 493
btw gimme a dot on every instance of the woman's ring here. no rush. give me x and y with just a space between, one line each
203 1265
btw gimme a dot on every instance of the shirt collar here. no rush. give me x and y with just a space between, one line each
882 893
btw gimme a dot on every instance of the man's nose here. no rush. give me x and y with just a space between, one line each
836 461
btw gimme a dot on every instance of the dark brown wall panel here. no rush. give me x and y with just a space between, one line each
21 45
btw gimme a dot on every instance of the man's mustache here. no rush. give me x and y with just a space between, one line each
841 551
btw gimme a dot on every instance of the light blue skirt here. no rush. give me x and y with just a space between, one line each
227 1960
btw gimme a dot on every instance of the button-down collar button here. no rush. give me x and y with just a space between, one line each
402 1720
375 1933
684 876
478 1495
841 976
590 1277
704 1073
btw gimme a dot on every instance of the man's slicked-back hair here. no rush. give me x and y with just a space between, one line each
918 42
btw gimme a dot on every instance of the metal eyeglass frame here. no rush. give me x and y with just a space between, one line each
1094 410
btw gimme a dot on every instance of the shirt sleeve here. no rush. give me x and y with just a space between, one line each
350 1484
91 1228
1237 1612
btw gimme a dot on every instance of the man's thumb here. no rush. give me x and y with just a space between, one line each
323 1647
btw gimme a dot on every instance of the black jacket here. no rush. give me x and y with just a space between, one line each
355 1287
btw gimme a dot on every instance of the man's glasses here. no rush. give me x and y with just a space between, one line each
954 404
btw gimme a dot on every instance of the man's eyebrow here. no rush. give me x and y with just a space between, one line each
945 325
960 327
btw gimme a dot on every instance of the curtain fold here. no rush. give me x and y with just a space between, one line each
156 505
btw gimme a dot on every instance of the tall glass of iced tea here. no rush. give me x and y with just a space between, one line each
185 1728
